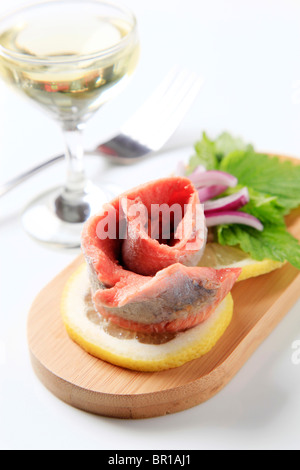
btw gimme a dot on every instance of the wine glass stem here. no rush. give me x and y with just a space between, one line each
75 179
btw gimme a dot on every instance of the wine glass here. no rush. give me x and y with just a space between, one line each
69 57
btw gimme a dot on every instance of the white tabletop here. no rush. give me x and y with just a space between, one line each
248 53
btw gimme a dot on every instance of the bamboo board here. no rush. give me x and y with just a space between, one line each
95 386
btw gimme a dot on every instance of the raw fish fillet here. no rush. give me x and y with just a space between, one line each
142 280
175 234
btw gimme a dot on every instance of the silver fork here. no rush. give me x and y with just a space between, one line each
146 131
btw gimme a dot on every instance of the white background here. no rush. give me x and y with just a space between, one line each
249 54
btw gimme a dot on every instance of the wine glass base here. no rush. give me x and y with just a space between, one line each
43 224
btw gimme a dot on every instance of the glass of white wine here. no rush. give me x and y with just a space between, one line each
69 57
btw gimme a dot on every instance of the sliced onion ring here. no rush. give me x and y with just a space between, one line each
232 217
211 191
228 203
201 178
197 173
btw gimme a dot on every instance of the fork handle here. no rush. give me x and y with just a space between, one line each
9 185
110 149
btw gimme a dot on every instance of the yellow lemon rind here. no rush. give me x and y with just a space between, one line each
259 268
236 258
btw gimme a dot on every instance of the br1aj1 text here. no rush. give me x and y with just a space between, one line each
156 459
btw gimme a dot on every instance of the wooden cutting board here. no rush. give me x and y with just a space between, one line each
98 387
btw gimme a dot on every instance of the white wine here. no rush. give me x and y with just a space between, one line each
70 64
69 57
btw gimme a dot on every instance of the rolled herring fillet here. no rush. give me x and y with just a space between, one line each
152 283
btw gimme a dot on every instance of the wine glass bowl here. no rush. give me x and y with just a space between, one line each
69 57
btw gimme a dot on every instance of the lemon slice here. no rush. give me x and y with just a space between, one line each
218 256
123 348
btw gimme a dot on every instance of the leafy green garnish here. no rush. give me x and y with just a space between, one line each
274 190
210 153
274 242
225 144
205 155
263 206
267 175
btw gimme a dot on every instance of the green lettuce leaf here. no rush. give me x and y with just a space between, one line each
274 190
274 242
226 143
210 153
266 174
262 206
205 154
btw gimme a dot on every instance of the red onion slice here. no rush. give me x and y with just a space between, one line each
197 173
232 217
211 191
228 203
201 178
